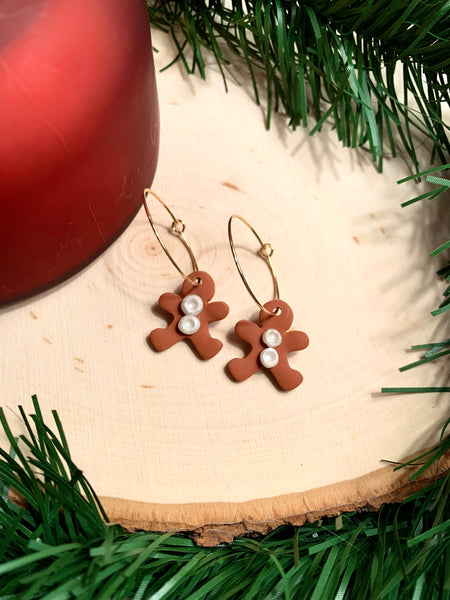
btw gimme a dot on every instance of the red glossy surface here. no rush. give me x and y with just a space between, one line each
79 133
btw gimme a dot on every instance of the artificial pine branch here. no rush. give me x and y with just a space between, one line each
438 349
337 60
443 186
59 546
432 350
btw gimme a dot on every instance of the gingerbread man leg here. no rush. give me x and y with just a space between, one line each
243 368
162 339
206 346
286 377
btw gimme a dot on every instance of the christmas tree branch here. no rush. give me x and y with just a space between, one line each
377 70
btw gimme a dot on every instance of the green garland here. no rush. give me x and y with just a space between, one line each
60 546
377 69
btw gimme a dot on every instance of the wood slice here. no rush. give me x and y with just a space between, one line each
171 442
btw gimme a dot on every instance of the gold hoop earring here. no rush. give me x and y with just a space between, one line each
178 227
265 252
270 341
192 311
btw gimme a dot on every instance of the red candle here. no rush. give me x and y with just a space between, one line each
79 133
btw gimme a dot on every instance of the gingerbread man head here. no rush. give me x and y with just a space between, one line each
205 287
281 316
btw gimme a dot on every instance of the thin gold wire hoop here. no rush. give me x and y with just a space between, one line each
178 227
265 252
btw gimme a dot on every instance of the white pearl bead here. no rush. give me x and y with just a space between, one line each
192 305
189 324
269 358
272 338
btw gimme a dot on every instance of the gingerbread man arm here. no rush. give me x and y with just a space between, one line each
248 331
243 368
216 311
286 377
296 340
170 303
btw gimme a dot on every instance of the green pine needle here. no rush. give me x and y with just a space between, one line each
415 390
431 346
425 359
377 70
441 310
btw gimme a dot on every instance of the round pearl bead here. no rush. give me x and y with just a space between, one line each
272 338
192 305
269 358
189 324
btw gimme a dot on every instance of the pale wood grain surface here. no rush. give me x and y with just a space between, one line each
169 428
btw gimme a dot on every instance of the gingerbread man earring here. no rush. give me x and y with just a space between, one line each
270 341
192 311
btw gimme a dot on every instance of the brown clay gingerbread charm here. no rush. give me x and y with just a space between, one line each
270 344
192 313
